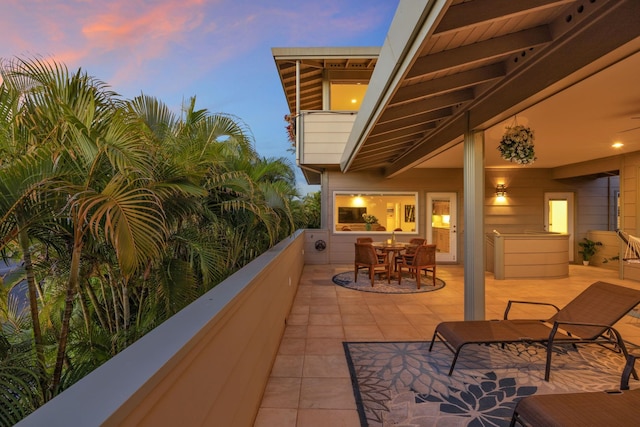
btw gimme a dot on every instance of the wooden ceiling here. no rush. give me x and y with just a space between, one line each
316 64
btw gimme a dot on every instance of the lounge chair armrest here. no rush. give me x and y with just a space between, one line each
511 302
558 324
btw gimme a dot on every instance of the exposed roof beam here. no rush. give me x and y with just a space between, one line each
449 83
426 104
418 119
481 51
401 133
469 14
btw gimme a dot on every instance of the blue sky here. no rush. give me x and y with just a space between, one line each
216 50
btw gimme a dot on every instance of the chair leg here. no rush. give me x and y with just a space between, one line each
372 275
418 277
434 275
355 267
626 373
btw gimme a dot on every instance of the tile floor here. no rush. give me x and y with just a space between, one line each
310 385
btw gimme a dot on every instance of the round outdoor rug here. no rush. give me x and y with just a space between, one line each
408 285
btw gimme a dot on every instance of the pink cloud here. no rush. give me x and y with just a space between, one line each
140 24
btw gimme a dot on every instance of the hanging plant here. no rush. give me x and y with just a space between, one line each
516 145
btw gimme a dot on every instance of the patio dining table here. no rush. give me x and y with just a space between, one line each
391 249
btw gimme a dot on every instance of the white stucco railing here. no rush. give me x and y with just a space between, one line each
206 365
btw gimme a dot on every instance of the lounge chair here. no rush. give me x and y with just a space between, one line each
588 318
611 408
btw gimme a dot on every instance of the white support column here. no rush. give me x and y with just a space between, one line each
474 292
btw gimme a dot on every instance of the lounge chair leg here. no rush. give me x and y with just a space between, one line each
626 373
433 340
453 363
547 367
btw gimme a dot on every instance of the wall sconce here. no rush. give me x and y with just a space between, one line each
501 191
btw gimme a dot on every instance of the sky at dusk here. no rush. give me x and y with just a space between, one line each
216 50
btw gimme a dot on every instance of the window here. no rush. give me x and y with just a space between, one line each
347 96
390 211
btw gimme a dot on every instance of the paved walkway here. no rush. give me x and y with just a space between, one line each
310 384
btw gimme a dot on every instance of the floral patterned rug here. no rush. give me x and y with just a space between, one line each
403 384
380 285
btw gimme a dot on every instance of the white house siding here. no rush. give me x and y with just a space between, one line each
629 181
524 210
325 136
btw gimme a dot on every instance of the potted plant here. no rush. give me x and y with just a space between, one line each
589 249
368 220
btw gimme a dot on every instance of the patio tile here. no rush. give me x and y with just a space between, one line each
325 366
287 365
325 331
363 333
292 346
269 417
327 393
319 346
282 393
310 384
327 417
325 319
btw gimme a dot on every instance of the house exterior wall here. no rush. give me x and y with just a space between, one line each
629 194
523 211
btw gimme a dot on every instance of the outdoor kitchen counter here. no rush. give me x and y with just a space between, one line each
530 256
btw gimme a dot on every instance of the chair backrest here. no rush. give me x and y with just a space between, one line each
381 228
365 254
601 303
364 240
413 245
425 255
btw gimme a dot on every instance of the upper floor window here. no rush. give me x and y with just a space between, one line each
347 96
375 212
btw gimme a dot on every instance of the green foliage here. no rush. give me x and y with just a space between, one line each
122 213
589 248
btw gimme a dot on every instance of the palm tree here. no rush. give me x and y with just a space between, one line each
105 176
123 211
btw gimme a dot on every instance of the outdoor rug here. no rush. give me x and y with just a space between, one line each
403 384
408 285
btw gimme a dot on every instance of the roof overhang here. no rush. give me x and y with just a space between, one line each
448 67
313 64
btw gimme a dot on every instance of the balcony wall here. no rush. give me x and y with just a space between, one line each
207 365
325 135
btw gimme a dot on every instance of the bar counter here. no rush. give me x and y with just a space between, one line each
529 255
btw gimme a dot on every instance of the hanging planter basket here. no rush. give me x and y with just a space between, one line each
516 145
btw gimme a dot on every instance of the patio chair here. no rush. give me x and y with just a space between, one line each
381 254
611 408
424 258
366 257
411 249
588 318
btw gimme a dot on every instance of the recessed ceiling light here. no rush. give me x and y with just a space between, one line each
353 101
617 145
